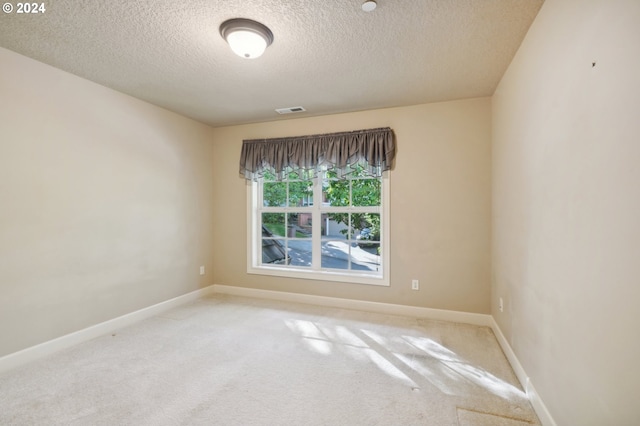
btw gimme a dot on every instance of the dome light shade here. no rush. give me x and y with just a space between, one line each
247 38
246 44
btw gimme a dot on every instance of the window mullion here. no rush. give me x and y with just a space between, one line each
316 224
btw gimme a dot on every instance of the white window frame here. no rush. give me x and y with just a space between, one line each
254 241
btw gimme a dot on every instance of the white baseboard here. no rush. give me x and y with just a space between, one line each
360 305
41 350
538 405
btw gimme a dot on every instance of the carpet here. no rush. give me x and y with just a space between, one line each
226 360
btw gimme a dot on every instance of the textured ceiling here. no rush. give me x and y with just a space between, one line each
328 55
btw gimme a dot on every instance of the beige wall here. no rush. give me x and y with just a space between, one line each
105 203
440 205
566 209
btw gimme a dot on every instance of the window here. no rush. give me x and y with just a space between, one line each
318 205
324 227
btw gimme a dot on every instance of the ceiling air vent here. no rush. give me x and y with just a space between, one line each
290 110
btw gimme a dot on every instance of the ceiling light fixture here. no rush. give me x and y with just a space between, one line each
369 5
246 38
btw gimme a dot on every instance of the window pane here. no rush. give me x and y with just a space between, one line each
335 254
331 174
359 171
336 225
301 193
273 225
291 175
335 192
299 174
274 194
365 192
366 258
269 176
273 252
366 228
300 252
299 225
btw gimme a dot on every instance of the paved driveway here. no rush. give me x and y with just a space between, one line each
335 255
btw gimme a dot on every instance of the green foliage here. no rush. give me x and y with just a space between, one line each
337 192
275 193
274 222
357 190
299 192
277 229
365 192
359 193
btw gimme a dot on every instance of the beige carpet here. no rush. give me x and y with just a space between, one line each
238 361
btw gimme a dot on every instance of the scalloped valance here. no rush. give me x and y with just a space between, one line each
372 149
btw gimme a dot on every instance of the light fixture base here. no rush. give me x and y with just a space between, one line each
369 5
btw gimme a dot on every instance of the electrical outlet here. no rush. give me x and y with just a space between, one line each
415 285
501 305
202 270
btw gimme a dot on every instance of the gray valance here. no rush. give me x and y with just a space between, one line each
372 149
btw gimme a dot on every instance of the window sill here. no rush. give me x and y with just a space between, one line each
354 278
